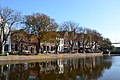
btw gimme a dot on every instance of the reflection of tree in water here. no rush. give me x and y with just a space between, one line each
68 69
93 70
18 72
34 71
84 68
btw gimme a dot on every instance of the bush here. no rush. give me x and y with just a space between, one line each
5 54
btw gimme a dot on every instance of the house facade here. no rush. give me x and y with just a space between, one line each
20 42
28 43
76 43
5 39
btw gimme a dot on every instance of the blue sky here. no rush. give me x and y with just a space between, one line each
101 15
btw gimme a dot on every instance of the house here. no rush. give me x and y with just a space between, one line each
5 38
63 41
66 41
23 42
20 41
76 42
117 47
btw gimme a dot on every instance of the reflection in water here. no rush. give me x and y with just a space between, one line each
63 69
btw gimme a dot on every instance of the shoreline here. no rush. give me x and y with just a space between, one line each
47 56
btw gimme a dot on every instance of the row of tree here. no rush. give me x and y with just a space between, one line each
45 29
86 37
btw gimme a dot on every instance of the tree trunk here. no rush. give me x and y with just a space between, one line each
56 49
0 48
38 46
83 47
2 40
9 39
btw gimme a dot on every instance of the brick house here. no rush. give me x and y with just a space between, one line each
23 42
20 41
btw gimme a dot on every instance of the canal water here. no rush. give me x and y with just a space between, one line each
93 68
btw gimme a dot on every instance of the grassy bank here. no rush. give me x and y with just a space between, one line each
47 56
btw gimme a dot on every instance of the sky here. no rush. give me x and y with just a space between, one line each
101 15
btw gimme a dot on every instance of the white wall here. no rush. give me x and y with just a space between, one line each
61 45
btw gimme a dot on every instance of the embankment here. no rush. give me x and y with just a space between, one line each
47 56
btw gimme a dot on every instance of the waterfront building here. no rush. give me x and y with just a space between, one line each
5 37
76 42
23 42
117 47
66 42
20 41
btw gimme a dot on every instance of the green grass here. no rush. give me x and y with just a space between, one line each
5 54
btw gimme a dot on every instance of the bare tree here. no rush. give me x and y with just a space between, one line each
8 18
84 38
70 27
40 25
96 39
89 39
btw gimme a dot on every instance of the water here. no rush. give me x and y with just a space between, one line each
94 68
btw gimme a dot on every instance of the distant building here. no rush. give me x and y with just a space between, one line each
117 46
